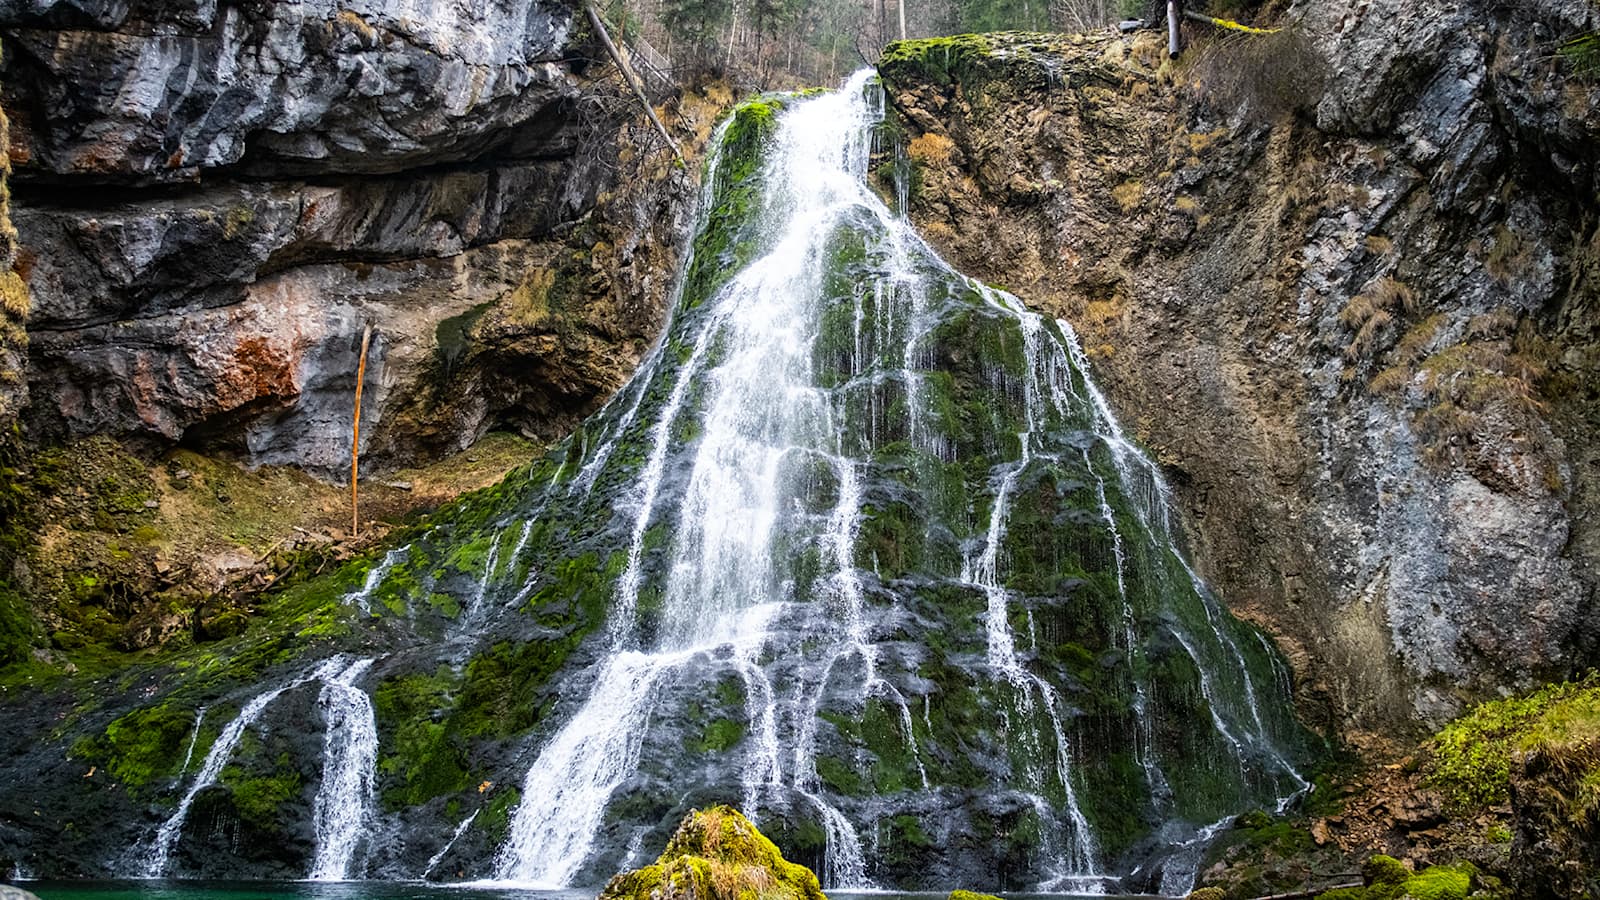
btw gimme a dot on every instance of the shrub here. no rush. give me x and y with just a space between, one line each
1267 77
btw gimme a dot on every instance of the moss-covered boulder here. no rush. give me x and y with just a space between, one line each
1388 879
970 895
716 854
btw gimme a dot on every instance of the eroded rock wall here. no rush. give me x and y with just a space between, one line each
216 199
13 296
1355 323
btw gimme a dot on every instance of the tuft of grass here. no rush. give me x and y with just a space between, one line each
1128 194
1370 313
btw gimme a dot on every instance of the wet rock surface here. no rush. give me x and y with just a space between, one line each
215 202
1382 441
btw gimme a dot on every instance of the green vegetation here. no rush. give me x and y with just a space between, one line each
421 752
1387 879
939 60
1582 54
719 736
1472 757
717 855
729 239
144 745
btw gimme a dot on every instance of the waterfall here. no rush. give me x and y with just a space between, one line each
838 438
152 861
848 480
435 859
343 808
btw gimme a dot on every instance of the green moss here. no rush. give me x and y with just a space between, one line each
729 238
420 752
259 795
1471 757
940 60
495 820
717 855
143 746
1381 869
719 735
970 895
1441 883
1387 879
839 776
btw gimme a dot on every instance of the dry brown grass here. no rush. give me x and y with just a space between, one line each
932 149
1370 313
1128 195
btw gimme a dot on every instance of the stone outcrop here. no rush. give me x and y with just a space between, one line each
717 855
1341 284
215 201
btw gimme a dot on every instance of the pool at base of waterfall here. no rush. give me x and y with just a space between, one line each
386 890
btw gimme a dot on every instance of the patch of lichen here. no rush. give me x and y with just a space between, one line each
716 854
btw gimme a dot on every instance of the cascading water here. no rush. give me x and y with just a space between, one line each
152 861
350 753
823 363
848 482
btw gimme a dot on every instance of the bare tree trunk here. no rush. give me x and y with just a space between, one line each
1174 28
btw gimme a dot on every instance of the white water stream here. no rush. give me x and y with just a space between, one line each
343 810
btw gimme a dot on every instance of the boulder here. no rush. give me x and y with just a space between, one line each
716 854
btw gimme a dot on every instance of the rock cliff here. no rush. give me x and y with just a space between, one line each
214 200
1342 280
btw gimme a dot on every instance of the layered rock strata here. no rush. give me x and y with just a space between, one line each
215 201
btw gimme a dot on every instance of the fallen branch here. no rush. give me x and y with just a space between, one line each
630 78
1302 895
1246 29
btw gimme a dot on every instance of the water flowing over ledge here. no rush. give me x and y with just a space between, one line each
860 548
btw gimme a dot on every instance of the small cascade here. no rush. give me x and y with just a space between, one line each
433 861
565 794
1140 476
343 810
153 861
473 614
362 599
194 738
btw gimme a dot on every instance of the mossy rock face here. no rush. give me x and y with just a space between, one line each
959 894
716 854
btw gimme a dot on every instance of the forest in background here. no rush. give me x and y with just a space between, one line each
782 43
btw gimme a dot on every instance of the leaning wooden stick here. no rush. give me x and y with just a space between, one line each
628 76
355 436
